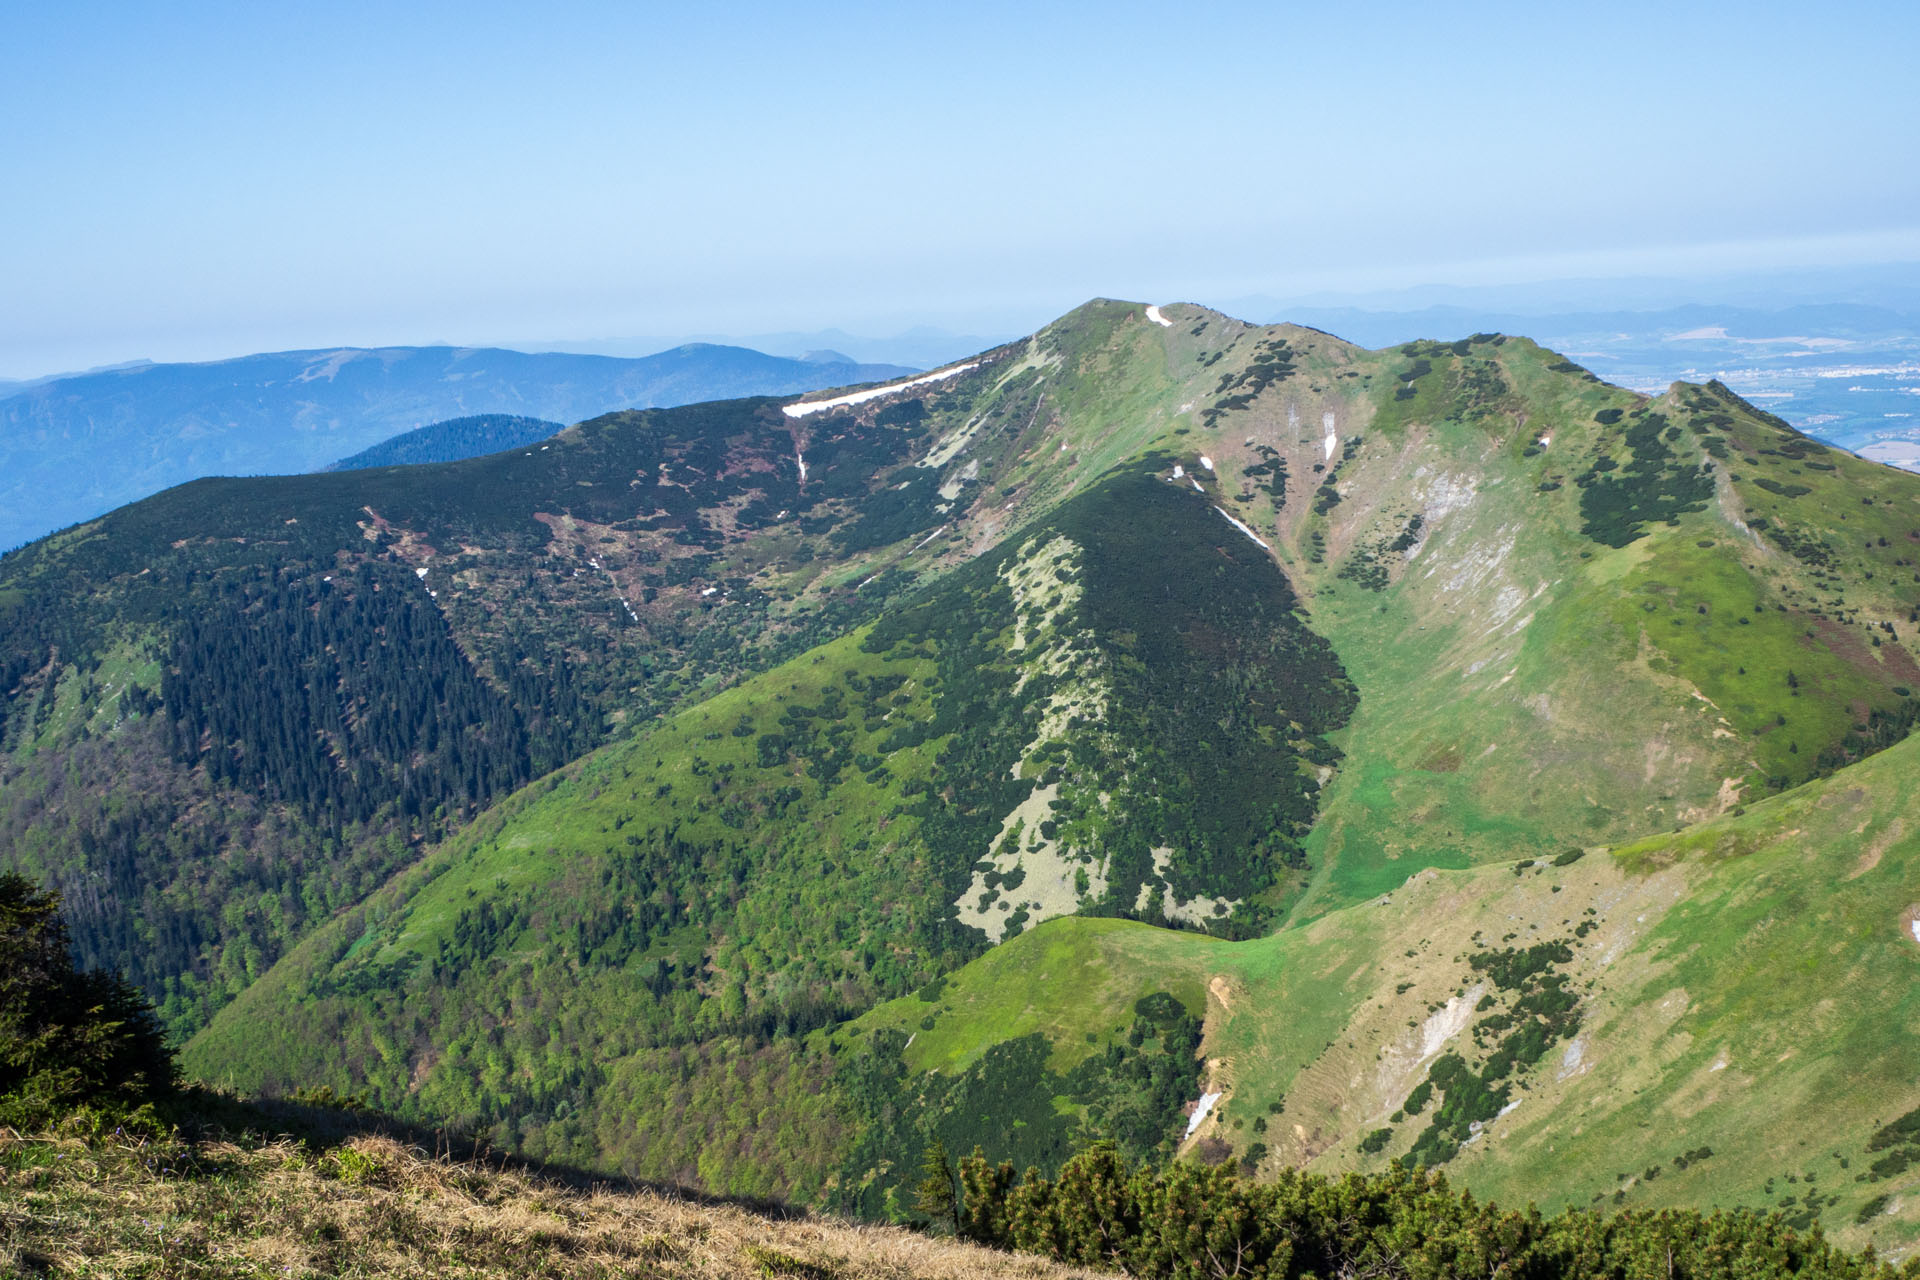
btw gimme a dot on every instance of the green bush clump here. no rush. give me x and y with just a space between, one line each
1187 1221
1016 1107
1617 502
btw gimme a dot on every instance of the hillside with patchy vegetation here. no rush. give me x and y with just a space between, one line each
1213 740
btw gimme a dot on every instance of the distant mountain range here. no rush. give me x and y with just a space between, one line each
921 346
74 447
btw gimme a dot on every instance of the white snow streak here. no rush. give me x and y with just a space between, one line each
800 458
1153 314
1448 1021
1241 527
1195 484
1200 1111
874 393
1327 424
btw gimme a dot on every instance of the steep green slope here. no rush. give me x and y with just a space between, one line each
503 614
1563 626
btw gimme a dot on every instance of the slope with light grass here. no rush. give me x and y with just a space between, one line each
372 1207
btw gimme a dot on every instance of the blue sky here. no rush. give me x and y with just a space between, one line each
188 181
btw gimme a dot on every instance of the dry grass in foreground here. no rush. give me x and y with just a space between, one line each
372 1207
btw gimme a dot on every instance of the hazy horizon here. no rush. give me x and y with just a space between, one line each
205 181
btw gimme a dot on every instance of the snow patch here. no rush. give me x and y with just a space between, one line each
861 397
1201 1110
1241 527
1178 471
1328 423
1153 314
1448 1021
1206 462
421 573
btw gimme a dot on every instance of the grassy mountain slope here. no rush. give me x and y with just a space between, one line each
1154 615
74 447
451 441
1574 615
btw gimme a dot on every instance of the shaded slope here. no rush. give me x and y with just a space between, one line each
506 575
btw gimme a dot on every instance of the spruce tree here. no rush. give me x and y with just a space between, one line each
936 1195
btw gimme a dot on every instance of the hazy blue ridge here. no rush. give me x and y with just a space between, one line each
451 441
73 448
